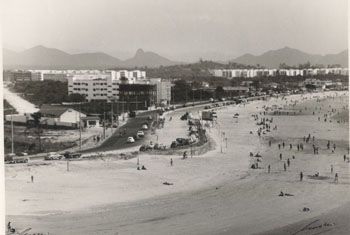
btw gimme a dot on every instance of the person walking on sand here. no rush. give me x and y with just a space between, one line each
336 178
331 169
283 144
269 143
290 146
334 146
288 162
285 166
280 156
9 226
268 169
301 176
279 146
32 179
171 162
344 157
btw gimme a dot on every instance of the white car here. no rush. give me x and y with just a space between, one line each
53 156
144 127
130 140
140 134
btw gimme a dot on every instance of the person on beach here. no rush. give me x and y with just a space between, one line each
344 157
328 144
283 144
280 156
9 226
269 143
301 146
171 162
298 147
268 169
304 138
301 176
279 146
336 178
284 166
288 162
334 146
290 146
184 155
32 179
331 169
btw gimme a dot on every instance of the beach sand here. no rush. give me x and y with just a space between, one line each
214 193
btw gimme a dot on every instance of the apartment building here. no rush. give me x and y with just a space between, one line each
250 73
163 90
94 86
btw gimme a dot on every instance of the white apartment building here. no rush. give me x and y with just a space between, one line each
250 73
105 85
93 86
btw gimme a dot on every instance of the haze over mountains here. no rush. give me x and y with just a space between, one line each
41 57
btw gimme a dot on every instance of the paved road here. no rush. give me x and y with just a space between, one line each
20 104
133 125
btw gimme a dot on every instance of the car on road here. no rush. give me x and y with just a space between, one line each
144 127
130 140
140 134
69 155
211 100
11 158
53 156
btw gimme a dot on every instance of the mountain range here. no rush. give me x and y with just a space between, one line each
292 57
41 57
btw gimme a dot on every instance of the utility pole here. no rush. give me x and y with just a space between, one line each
12 145
12 132
104 125
112 115
80 142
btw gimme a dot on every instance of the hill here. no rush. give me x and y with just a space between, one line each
292 57
41 57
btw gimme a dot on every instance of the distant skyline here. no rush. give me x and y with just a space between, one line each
182 30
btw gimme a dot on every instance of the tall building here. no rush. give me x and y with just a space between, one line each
163 90
138 96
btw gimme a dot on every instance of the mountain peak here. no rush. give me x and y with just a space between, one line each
139 52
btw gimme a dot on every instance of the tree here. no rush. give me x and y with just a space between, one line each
75 97
36 122
219 92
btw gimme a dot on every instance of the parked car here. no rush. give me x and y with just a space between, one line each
130 140
211 100
11 158
144 127
69 155
140 134
53 156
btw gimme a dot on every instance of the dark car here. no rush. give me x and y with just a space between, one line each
69 155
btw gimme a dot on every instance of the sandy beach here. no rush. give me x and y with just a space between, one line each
212 193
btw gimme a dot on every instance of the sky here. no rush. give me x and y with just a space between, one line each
183 30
